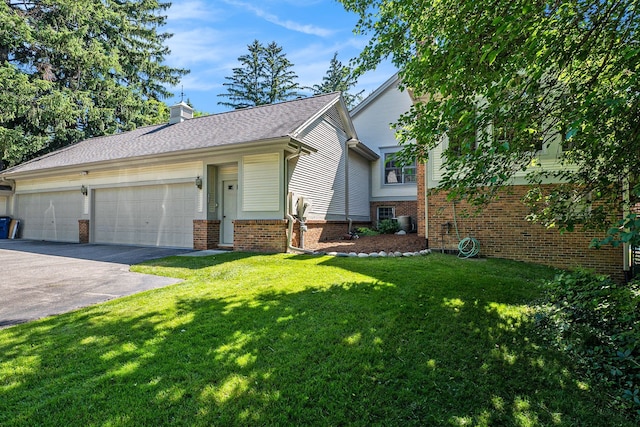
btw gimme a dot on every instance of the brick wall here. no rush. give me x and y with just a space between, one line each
206 234
421 170
83 231
271 235
260 235
401 208
320 231
504 232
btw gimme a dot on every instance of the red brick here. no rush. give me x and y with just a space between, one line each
503 231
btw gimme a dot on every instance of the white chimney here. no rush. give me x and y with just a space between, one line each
180 112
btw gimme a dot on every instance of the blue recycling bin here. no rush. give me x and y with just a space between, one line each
5 221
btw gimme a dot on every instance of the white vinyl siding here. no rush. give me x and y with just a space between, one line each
151 215
261 182
358 186
51 216
373 124
320 176
3 205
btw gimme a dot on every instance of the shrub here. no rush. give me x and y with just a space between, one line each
364 231
388 226
597 322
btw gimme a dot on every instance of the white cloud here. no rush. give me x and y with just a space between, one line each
288 24
198 46
190 10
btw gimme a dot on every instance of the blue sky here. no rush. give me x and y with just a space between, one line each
210 35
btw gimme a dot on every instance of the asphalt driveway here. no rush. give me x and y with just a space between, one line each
40 279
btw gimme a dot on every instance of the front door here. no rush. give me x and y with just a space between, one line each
229 209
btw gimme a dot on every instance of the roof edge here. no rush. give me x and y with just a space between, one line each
375 94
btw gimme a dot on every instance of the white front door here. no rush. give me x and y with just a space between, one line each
229 209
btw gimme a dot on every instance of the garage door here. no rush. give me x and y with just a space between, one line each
3 205
155 215
50 216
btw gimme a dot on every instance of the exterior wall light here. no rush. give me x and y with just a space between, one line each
199 183
84 190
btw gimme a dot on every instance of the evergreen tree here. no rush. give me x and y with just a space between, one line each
264 77
73 69
339 78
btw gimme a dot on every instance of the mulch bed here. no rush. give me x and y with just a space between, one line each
384 242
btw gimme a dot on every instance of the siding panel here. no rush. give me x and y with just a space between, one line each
359 187
320 176
261 183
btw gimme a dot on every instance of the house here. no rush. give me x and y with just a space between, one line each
501 227
393 185
235 180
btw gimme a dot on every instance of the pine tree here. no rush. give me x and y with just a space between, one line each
73 69
339 78
264 77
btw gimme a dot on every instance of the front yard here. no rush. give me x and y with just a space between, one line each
253 339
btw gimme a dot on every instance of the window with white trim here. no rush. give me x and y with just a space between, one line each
386 212
397 173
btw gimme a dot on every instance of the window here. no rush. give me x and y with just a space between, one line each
386 212
461 138
505 132
397 173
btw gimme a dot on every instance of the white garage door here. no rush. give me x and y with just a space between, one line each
3 205
50 216
154 215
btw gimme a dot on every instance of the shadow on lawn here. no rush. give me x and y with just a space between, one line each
198 262
369 353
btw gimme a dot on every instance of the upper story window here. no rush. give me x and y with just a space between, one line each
397 173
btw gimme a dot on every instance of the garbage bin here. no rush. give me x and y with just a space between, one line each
5 221
404 221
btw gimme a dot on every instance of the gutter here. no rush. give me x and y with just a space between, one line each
11 182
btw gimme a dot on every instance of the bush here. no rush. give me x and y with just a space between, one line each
364 231
388 226
597 322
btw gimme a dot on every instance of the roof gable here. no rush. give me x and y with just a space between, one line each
392 81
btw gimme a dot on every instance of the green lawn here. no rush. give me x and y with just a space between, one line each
252 339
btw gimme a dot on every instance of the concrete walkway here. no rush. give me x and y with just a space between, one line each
40 279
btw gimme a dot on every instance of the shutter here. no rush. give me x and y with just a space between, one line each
435 158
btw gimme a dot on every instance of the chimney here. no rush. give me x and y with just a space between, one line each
180 112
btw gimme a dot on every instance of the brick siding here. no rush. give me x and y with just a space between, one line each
503 232
271 235
421 170
321 231
260 235
401 208
83 231
206 234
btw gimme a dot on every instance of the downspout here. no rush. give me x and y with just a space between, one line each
290 219
626 210
426 201
346 184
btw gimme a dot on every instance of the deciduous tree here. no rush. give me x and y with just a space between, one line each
534 70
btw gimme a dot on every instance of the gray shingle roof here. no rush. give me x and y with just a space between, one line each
218 130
